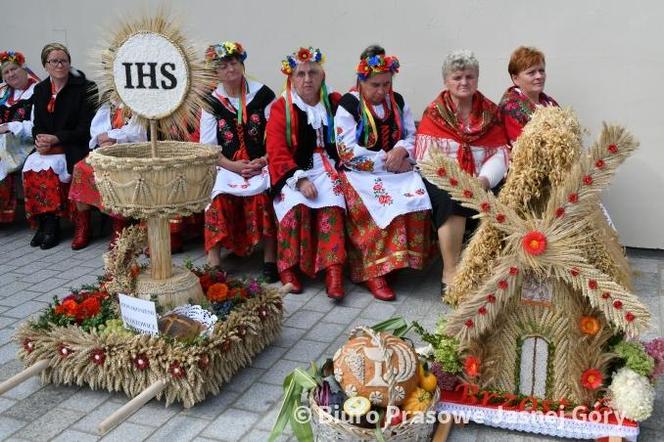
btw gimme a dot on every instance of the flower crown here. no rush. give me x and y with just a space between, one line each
12 57
303 55
375 64
225 49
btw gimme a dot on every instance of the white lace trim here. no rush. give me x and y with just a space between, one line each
198 314
38 162
538 423
316 115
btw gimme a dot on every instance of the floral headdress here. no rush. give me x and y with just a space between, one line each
216 52
12 57
375 64
303 55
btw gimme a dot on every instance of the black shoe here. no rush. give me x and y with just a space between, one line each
39 234
270 272
51 232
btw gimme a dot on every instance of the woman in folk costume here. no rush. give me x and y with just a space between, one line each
64 105
527 69
111 124
388 209
308 201
241 213
15 117
465 126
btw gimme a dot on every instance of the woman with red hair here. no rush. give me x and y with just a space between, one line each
528 73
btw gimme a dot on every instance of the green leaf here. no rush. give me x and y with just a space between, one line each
391 325
286 409
295 383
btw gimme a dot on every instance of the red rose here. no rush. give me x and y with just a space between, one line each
228 136
222 123
592 379
471 366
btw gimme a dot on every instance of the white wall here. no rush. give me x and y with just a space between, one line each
604 58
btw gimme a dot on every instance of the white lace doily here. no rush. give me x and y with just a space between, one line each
533 423
198 314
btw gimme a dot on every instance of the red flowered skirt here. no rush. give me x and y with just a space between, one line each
312 239
374 252
239 223
44 193
83 188
8 199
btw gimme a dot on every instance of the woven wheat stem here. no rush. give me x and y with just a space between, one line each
153 138
159 238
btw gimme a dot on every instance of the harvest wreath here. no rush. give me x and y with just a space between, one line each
198 349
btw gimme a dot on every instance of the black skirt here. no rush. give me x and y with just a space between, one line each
443 206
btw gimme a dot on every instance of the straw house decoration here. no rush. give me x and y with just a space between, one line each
543 285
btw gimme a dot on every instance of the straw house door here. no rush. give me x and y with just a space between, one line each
534 366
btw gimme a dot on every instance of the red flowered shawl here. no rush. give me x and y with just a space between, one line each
482 130
516 109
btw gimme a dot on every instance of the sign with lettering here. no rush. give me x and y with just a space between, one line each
138 315
151 75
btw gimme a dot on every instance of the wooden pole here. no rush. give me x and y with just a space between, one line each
443 430
153 138
23 376
132 406
159 239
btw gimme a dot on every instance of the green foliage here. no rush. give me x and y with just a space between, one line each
635 357
445 348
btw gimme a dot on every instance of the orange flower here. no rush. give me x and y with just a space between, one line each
534 243
217 292
472 366
592 379
238 292
70 307
88 308
589 325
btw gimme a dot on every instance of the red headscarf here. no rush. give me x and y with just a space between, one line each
483 128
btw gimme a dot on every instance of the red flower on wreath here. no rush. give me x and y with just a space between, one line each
514 271
560 211
454 182
88 308
141 361
587 180
600 164
98 356
592 284
630 317
500 218
491 298
176 370
471 366
469 323
441 172
502 284
592 379
485 206
467 193
28 345
612 148
617 304
304 54
203 361
534 243
64 350
482 310
573 198
589 325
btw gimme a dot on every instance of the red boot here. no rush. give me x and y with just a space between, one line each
334 282
289 276
380 290
81 230
118 224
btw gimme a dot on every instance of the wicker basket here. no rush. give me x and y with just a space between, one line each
134 184
328 428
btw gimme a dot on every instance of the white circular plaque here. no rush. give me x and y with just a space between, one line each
151 75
